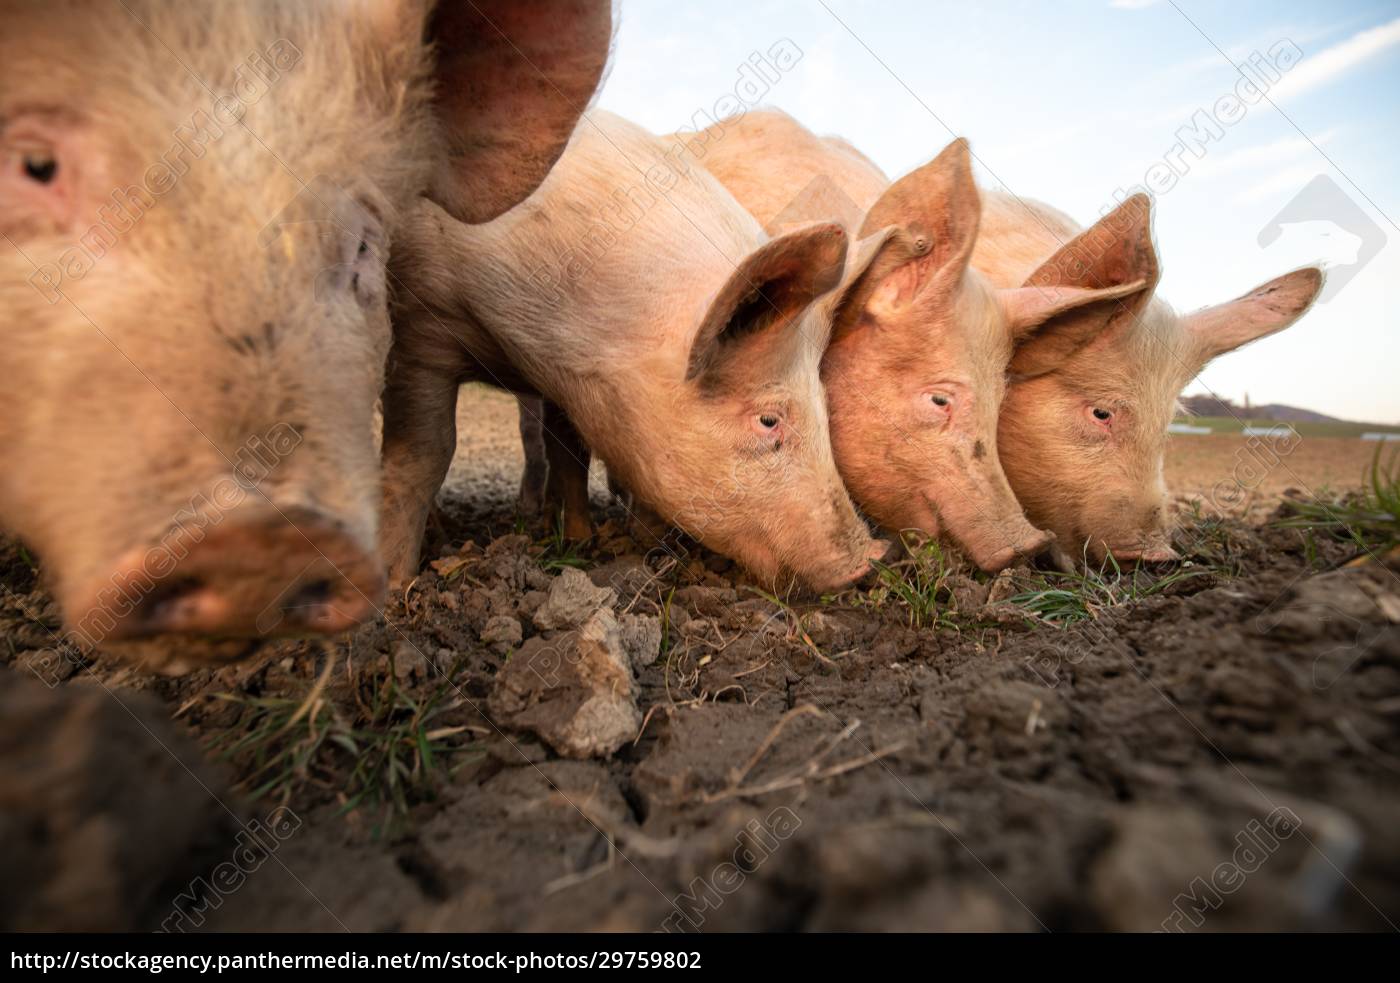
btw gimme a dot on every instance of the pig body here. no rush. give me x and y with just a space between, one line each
633 292
198 203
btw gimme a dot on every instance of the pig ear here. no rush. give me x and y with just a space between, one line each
1264 310
1100 279
771 288
939 207
512 78
874 260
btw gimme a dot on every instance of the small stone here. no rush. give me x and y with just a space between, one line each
573 598
641 639
575 689
530 602
502 632
407 660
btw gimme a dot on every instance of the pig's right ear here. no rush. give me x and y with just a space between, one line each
939 208
770 289
1098 280
512 78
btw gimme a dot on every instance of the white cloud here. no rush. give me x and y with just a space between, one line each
1258 158
1323 67
1288 181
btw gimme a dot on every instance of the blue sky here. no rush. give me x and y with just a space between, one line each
1069 101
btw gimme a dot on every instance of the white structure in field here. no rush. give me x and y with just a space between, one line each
1378 435
1186 428
1276 431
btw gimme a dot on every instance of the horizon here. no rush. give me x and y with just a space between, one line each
1136 93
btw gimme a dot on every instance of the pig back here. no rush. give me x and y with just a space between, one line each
1016 235
611 262
785 174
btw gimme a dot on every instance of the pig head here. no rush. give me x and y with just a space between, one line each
916 370
198 203
1084 426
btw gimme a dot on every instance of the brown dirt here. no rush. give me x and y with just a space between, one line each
1245 473
833 766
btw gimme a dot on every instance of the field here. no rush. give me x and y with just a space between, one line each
1211 747
1335 428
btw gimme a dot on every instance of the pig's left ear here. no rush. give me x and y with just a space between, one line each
940 209
770 289
1101 278
512 78
1259 313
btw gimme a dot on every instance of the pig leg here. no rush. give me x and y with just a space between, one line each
420 434
568 458
531 503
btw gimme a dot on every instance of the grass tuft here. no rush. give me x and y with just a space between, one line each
387 753
1064 598
918 582
558 551
1368 519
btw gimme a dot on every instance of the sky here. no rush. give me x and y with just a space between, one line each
1073 101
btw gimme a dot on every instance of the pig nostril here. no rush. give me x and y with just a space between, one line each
173 603
311 602
309 595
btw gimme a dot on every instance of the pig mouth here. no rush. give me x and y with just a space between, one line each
210 596
1151 551
176 655
1144 554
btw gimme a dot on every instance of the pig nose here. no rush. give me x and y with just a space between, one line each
255 575
1147 554
1032 544
880 551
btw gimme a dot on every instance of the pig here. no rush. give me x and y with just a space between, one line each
197 202
1083 440
633 292
915 372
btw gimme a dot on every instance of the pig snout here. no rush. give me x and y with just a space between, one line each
866 572
986 520
256 575
1028 545
1154 552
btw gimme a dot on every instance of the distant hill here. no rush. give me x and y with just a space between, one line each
1292 414
1223 416
1207 405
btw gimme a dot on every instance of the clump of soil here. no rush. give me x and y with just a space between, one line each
105 809
1217 750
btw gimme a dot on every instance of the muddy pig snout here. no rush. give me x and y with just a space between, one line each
1032 544
257 573
881 551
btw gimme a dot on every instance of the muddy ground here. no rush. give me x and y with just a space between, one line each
1215 747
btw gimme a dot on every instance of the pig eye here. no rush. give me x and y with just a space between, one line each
1102 415
940 400
768 420
40 167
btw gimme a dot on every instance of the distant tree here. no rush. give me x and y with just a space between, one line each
1205 404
